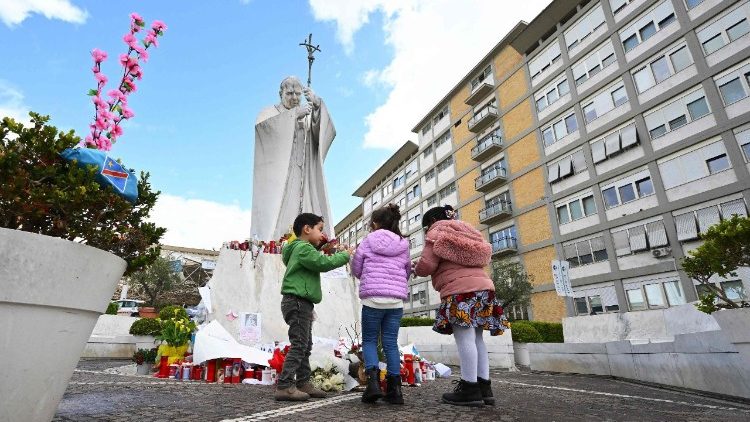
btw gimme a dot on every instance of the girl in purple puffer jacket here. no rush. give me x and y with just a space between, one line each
382 265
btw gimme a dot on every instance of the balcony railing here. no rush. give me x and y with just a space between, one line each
483 118
504 246
480 91
487 146
491 179
495 212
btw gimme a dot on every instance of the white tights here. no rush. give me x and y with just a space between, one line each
472 353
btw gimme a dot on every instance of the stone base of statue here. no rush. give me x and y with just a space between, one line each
240 286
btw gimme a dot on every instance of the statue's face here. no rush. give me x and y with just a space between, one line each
291 95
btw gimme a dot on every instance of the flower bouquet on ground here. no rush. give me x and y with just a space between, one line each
327 378
175 332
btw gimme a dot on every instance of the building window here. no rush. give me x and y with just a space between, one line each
647 25
640 238
442 139
743 139
549 95
692 3
604 101
426 128
654 294
662 67
398 181
444 192
438 117
429 175
690 224
503 239
580 30
685 109
618 5
614 143
567 166
413 193
726 29
629 191
734 84
432 200
576 209
415 217
694 163
585 252
544 60
594 63
427 151
445 164
559 128
479 79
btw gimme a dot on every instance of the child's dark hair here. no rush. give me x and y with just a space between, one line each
434 214
388 218
305 219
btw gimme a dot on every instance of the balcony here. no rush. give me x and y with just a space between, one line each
480 91
504 246
487 146
490 180
483 118
495 212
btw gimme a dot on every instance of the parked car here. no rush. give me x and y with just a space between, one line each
128 306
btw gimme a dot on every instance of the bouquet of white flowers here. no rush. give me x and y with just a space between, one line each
327 379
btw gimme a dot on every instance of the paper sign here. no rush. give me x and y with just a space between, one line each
561 278
250 327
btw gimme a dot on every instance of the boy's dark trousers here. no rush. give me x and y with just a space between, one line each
298 314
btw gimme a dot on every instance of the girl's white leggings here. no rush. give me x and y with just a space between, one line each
472 353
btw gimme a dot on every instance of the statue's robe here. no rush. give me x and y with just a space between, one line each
287 170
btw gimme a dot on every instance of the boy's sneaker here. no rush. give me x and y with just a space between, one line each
290 394
310 389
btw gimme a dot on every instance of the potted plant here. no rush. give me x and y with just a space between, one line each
144 360
152 281
145 331
175 334
725 248
523 333
66 238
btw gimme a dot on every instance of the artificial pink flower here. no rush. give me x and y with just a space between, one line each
124 59
129 38
151 39
96 69
116 130
136 17
98 55
101 78
106 115
129 85
138 48
143 55
136 72
101 124
159 26
127 112
117 95
89 140
97 100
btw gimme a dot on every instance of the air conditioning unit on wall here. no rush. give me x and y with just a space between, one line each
661 252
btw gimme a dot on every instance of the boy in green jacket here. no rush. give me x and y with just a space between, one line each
301 291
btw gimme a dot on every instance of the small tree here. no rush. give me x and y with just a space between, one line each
726 247
155 279
512 283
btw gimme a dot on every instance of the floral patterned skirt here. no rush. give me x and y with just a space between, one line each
476 309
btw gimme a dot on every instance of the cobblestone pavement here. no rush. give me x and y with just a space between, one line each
96 395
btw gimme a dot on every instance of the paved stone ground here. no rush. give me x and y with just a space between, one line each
96 395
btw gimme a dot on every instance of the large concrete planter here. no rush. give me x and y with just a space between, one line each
735 324
51 293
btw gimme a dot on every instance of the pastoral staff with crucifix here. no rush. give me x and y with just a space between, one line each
291 144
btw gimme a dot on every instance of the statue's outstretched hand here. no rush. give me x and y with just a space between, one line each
303 111
311 97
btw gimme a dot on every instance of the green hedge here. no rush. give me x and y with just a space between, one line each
523 332
417 322
167 312
112 308
548 332
146 327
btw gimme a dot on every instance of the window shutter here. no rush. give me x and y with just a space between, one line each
622 244
566 168
707 217
736 207
597 244
597 151
686 227
612 142
609 296
579 161
584 248
629 136
657 235
637 239
570 251
553 172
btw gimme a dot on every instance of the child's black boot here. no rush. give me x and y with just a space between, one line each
465 394
485 387
393 393
372 392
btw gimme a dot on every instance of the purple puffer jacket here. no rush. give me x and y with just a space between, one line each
382 265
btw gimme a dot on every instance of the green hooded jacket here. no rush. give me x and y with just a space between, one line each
304 264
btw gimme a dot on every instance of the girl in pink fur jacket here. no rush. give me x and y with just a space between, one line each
454 255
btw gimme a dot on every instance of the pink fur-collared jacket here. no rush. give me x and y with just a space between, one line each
455 255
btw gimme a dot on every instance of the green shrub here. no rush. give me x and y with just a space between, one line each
146 327
112 308
523 332
551 332
167 312
416 322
